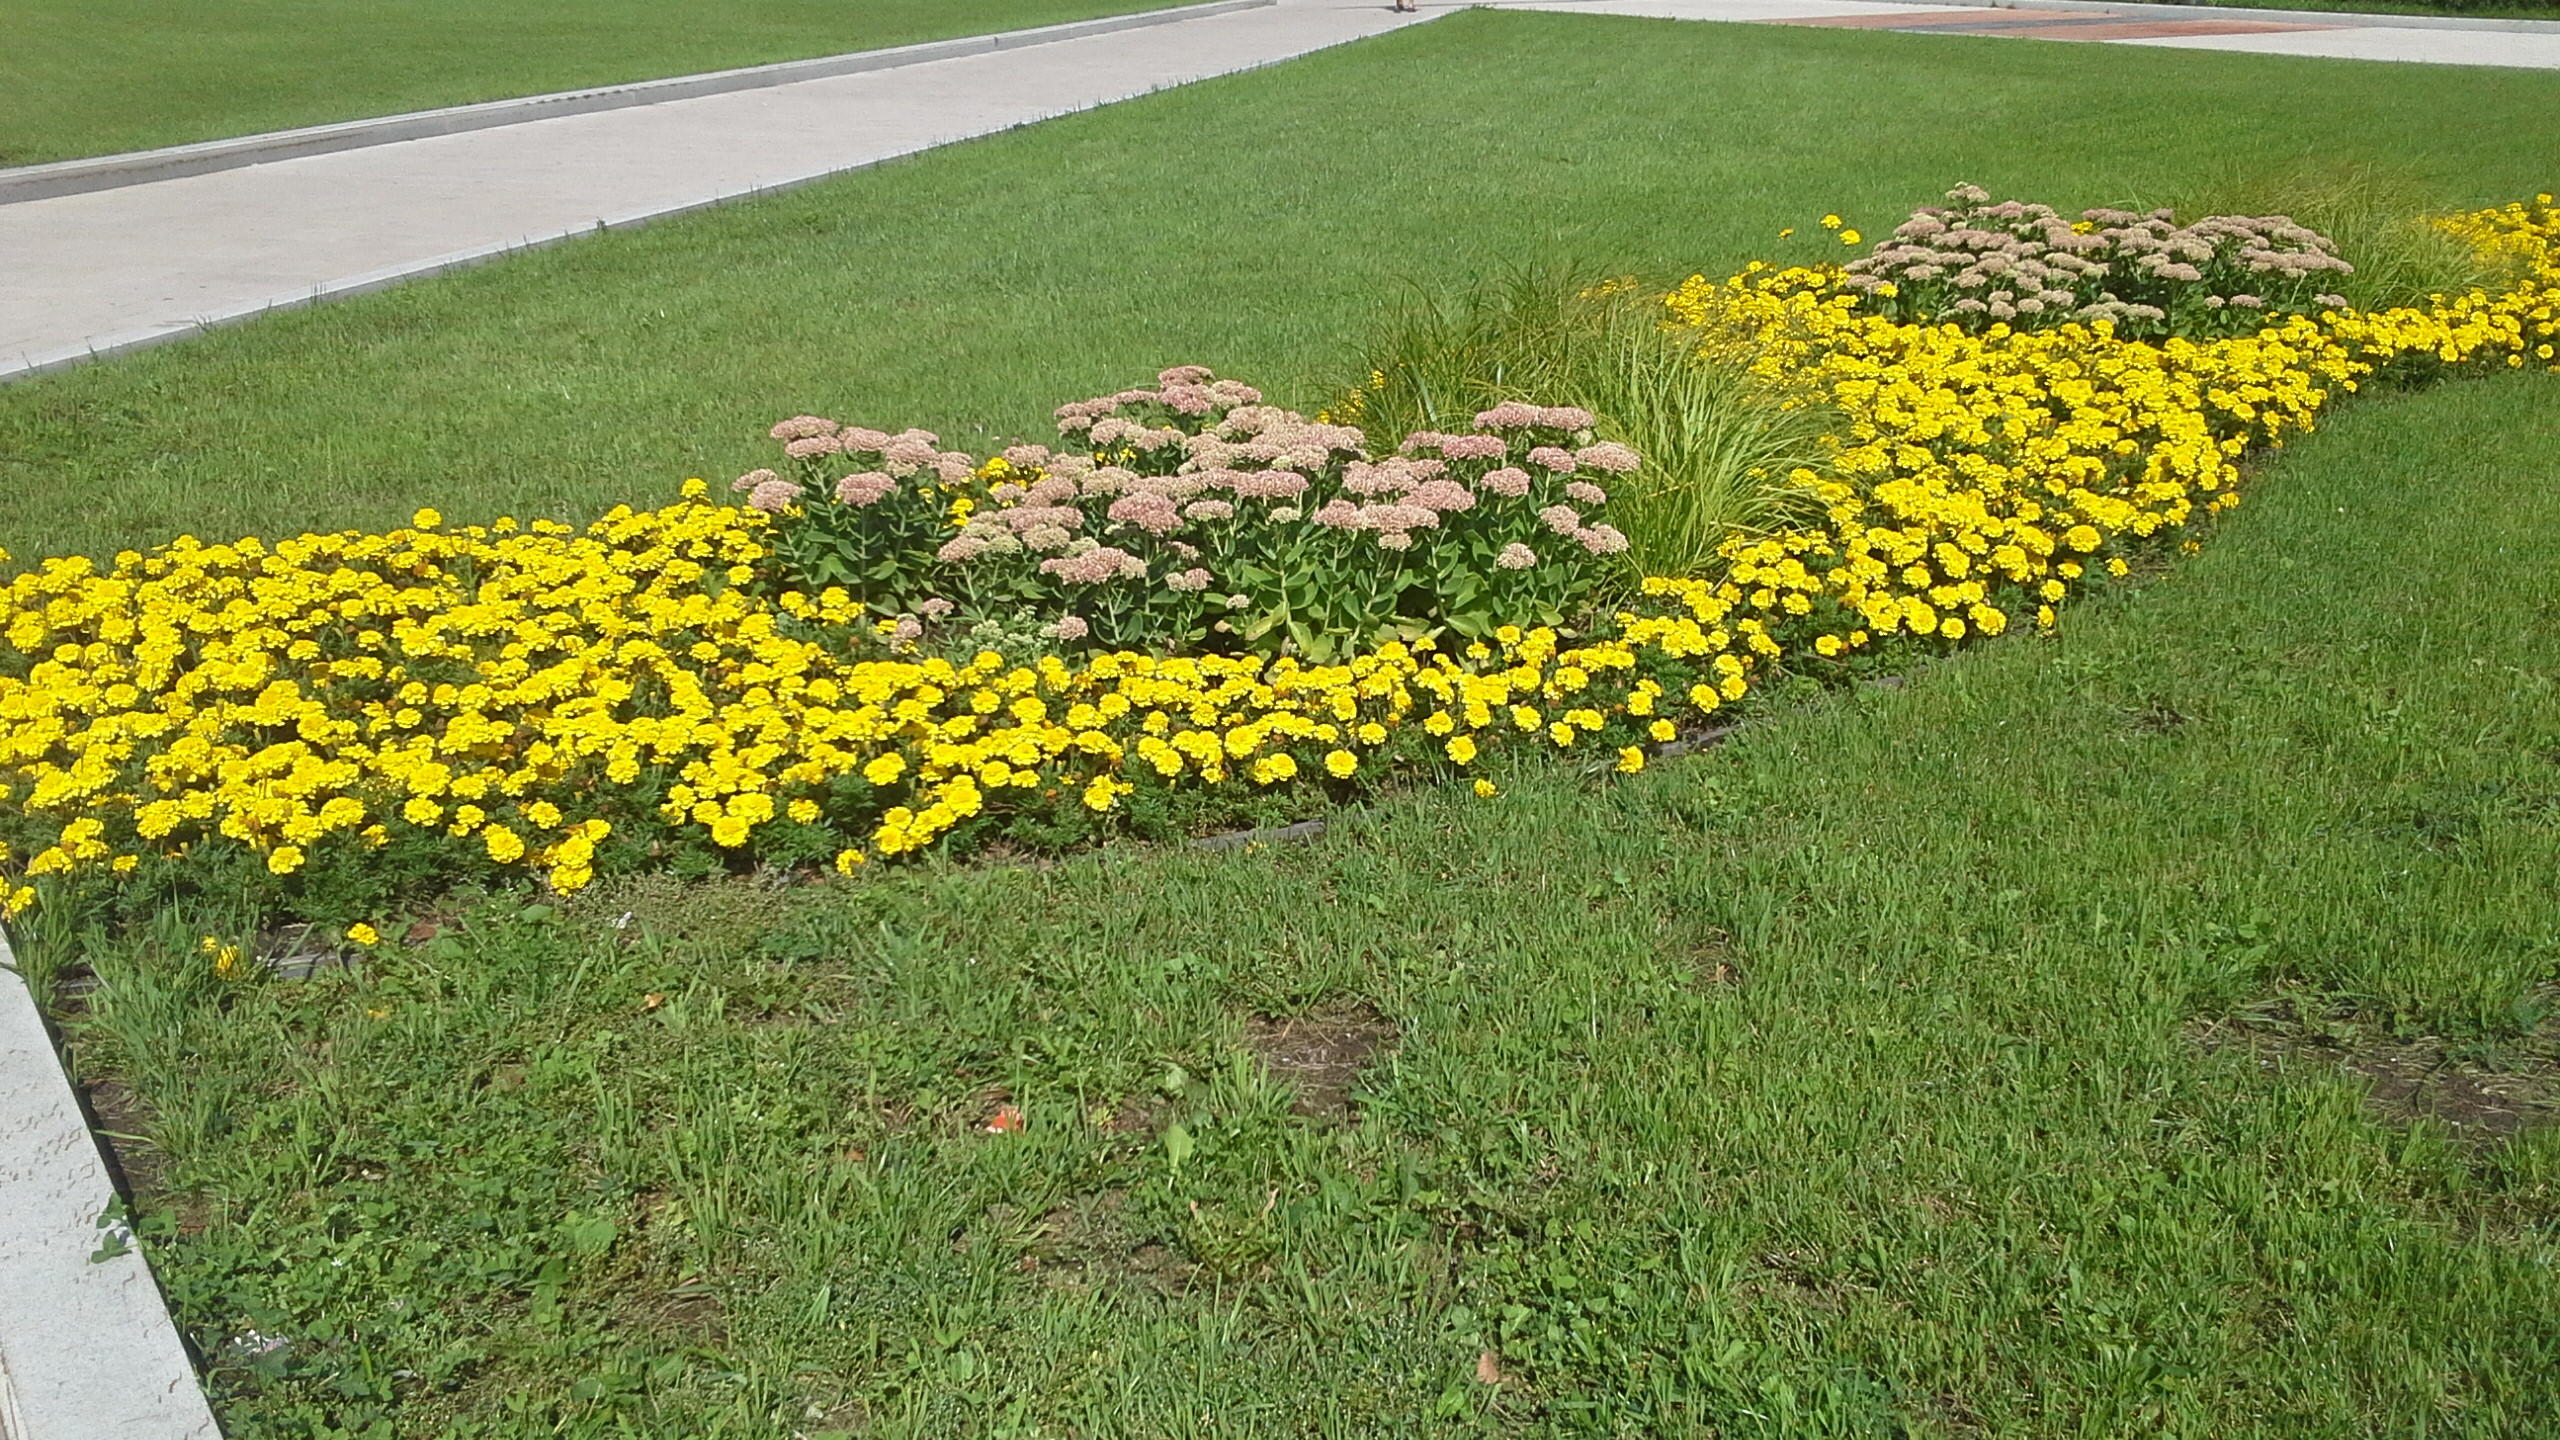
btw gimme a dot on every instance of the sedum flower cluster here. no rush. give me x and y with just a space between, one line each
333 712
1975 263
1981 477
1189 515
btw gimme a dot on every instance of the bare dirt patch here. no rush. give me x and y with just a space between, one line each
2482 1092
1321 1055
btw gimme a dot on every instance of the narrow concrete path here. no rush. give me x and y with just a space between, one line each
111 270
94 274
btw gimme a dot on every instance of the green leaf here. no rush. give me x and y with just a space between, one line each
1178 1144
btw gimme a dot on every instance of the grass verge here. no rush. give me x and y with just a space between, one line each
559 383
1844 1080
95 77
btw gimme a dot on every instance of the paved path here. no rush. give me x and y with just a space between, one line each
114 269
110 270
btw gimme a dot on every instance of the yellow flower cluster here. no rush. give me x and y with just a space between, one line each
527 692
1977 476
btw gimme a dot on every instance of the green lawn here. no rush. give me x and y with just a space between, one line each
93 77
1952 1059
1845 1081
971 289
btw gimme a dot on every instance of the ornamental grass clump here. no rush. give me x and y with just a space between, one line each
1976 263
1190 516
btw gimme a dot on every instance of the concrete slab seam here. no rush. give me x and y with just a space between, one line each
87 1349
142 167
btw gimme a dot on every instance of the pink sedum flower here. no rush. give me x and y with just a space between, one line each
864 487
1510 481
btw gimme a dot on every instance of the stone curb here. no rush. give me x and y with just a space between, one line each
87 1351
107 172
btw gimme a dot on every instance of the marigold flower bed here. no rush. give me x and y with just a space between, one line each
328 719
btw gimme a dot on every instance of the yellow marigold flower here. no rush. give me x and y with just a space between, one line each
1439 722
21 900
1485 790
505 846
1630 759
1561 732
848 860
1373 734
1100 795
285 859
1271 769
1663 732
803 810
363 934
544 814
885 769
426 520
1525 718
1340 764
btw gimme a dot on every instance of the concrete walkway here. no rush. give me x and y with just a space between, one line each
101 272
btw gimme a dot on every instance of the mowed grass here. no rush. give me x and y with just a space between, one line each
1258 223
94 77
1845 1080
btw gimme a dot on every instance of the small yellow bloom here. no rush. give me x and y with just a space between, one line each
363 934
285 859
1485 790
1630 759
1340 764
1462 748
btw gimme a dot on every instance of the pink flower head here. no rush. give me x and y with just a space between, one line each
1095 566
1190 582
1235 392
908 628
1185 375
1602 540
1562 519
1473 447
810 447
1026 457
855 439
1023 518
954 467
1208 510
1610 456
1337 515
1442 495
1510 481
935 608
1067 627
750 480
1395 540
1569 417
864 487
1189 399
1056 491
1150 510
960 549
802 427
1552 458
1269 485
1516 556
1583 492
1511 415
773 496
